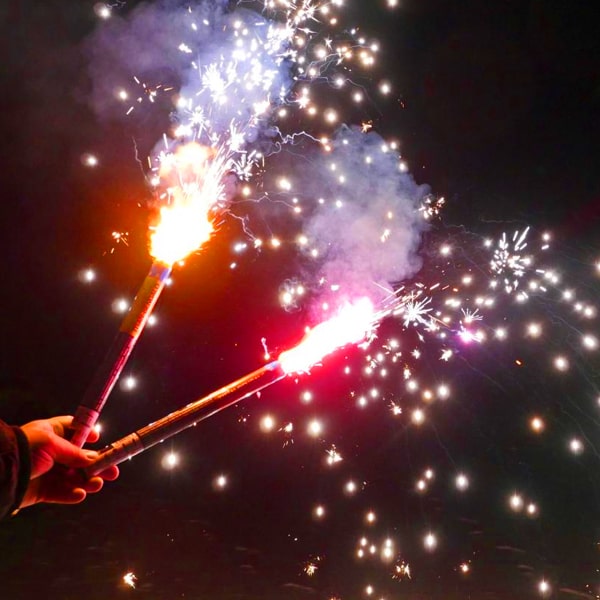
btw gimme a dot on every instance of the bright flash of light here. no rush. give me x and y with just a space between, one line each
590 342
461 482
576 446
351 487
129 579
120 305
87 275
534 330
170 460
315 428
333 456
418 416
537 424
508 261
90 160
220 482
351 326
267 423
193 180
430 541
561 363
402 570
307 396
443 392
311 567
544 587
516 502
387 554
129 383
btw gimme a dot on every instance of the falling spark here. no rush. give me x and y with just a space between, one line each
267 423
537 424
90 160
402 571
130 579
87 275
516 502
576 446
430 542
220 482
544 587
170 460
462 482
129 383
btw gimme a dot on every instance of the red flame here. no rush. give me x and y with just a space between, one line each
351 325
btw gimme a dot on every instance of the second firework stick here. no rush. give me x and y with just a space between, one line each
111 367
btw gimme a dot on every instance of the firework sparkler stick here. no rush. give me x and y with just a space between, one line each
189 415
185 225
350 326
110 369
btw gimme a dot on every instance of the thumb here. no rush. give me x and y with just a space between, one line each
69 455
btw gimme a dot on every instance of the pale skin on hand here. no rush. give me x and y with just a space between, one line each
56 463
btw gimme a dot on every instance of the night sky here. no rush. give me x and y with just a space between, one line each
497 108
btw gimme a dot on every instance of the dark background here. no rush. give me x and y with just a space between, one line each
496 105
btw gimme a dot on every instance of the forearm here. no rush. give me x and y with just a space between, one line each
15 468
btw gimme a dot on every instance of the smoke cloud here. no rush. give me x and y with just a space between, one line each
367 227
219 64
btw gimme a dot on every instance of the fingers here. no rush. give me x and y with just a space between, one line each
93 436
64 423
62 486
109 474
69 455
73 496
60 424
54 487
60 492
55 474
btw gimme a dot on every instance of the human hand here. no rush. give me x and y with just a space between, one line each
50 452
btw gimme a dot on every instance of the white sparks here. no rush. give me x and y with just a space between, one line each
430 542
576 446
130 579
461 482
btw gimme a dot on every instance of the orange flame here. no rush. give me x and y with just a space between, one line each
351 325
193 178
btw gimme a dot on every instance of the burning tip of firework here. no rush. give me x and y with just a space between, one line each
352 325
192 178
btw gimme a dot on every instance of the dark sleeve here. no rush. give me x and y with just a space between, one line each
15 468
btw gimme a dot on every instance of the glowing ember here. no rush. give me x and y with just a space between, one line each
129 579
430 541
